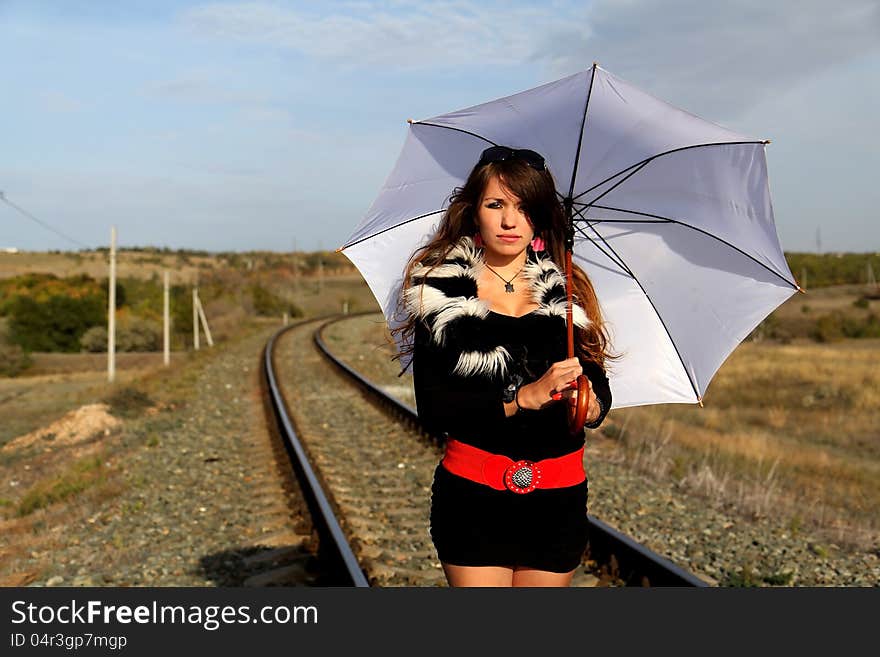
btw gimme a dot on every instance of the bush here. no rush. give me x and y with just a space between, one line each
269 304
13 360
829 328
867 328
139 335
128 402
94 340
837 326
56 324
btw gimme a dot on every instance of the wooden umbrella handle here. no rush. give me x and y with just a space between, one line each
577 413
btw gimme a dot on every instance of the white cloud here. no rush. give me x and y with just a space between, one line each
718 58
403 35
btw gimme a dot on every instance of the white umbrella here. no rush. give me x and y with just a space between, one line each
673 221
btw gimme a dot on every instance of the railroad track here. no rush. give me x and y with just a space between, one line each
365 467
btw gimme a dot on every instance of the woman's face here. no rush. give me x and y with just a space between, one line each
504 227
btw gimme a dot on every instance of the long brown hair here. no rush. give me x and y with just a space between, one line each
537 193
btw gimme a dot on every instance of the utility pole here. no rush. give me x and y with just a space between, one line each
111 311
295 275
166 324
195 318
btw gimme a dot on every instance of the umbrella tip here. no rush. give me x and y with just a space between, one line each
410 121
700 401
595 64
768 141
339 250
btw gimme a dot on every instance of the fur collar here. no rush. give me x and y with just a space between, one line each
445 299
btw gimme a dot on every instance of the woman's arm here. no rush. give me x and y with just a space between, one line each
602 389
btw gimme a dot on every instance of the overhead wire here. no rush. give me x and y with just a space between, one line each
40 222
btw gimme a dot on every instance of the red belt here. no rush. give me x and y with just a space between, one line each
501 472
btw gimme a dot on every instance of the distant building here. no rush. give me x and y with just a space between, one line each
9 249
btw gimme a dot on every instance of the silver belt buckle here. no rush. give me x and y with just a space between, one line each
522 477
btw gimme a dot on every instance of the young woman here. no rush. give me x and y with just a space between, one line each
486 307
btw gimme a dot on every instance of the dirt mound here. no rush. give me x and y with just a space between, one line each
74 428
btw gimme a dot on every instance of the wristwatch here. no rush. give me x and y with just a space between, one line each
509 393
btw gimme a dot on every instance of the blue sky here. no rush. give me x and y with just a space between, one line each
260 125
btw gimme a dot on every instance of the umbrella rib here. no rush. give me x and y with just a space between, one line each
654 157
618 183
385 230
616 261
577 153
685 225
449 127
659 317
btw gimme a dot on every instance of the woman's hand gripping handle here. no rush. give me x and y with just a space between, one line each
558 383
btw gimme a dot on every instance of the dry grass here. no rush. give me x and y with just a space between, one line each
68 381
129 264
786 429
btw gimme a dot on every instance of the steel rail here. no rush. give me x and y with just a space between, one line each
333 546
636 564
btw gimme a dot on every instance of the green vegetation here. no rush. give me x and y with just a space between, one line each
749 577
55 324
269 304
814 270
836 326
138 335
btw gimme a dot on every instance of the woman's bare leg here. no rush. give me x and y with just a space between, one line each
478 575
532 577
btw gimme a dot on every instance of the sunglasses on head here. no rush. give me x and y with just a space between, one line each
502 153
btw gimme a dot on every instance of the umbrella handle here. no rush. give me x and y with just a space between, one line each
577 412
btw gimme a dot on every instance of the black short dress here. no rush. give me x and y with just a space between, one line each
473 524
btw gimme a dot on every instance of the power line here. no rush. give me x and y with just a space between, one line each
42 223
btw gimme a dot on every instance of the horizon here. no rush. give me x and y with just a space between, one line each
197 251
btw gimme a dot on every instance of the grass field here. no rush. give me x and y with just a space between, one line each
791 429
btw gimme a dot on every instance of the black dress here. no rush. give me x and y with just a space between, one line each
473 524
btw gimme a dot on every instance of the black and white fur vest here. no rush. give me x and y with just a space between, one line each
445 299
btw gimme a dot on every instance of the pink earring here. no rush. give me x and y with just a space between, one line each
478 241
537 244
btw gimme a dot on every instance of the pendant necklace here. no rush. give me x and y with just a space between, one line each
508 284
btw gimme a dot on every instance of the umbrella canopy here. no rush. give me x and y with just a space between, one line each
673 221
